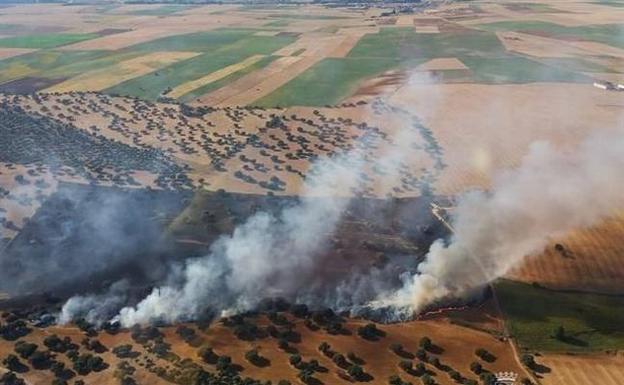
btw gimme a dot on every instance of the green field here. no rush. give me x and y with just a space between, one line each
610 34
405 43
195 42
46 63
592 322
518 70
226 80
331 80
220 48
45 40
223 48
327 82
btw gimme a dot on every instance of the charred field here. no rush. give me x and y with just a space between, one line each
84 237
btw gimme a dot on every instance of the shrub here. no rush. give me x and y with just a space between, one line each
487 378
528 361
356 372
485 355
25 349
425 343
370 332
427 380
125 351
340 360
294 360
13 363
10 378
405 365
40 360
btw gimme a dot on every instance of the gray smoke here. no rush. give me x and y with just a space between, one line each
267 256
549 194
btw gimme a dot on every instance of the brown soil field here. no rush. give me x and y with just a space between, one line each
455 348
537 46
216 148
476 142
220 74
571 13
583 370
253 86
443 64
591 261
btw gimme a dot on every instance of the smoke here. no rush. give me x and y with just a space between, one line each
269 255
549 194
90 307
266 256
279 255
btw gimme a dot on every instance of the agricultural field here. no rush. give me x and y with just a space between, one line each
263 193
591 322
341 50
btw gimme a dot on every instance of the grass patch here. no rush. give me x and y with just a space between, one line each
517 69
576 64
327 82
405 44
45 40
592 322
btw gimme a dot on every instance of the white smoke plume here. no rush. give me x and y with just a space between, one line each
549 194
267 256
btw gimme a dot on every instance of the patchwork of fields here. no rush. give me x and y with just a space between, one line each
201 54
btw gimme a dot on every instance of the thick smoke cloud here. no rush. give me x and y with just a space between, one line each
267 256
549 194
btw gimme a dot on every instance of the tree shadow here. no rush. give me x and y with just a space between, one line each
435 349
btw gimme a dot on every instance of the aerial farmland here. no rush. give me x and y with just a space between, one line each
312 193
